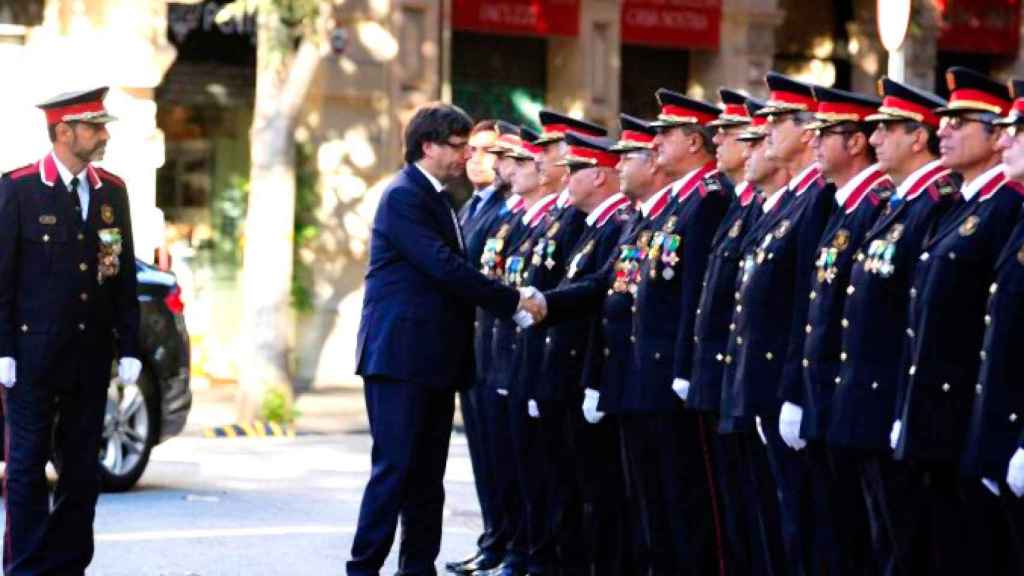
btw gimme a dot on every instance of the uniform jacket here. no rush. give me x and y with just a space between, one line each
830 285
875 316
763 359
476 228
711 328
566 343
952 283
49 292
421 291
993 433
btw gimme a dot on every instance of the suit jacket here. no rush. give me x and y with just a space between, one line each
49 292
875 320
475 229
823 351
952 282
711 329
765 352
993 433
417 319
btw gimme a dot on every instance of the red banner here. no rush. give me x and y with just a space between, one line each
672 23
518 17
980 26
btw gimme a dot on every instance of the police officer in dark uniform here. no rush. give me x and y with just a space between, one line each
952 282
875 316
847 161
763 360
68 304
477 217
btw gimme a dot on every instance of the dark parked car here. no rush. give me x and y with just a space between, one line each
141 416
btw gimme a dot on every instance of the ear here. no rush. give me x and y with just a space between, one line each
428 149
857 143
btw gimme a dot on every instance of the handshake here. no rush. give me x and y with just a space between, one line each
532 307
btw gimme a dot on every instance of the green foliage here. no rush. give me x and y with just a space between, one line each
297 17
276 407
307 226
228 214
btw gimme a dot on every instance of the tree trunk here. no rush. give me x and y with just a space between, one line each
283 78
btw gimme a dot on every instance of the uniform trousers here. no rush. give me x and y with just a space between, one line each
411 425
477 406
841 516
1013 509
670 470
39 539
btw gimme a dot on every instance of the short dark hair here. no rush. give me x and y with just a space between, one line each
866 128
707 136
933 134
486 125
434 122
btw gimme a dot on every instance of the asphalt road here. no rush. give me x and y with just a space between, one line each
254 506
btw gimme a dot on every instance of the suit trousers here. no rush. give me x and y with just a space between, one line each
475 404
669 470
509 507
411 425
38 539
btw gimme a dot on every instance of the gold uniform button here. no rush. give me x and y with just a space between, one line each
874 385
698 311
850 290
719 357
913 293
696 339
988 319
806 363
657 355
1013 417
992 289
607 352
632 339
24 327
842 357
952 255
81 236
839 380
945 386
845 323
978 389
476 324
572 352
604 321
739 341
737 295
518 329
982 354
732 327
769 355
633 309
924 257
84 297
46 237
83 266
807 329
548 340
912 371
728 359
739 308
910 332
814 295
81 327
860 256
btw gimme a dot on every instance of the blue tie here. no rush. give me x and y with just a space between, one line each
895 201
471 210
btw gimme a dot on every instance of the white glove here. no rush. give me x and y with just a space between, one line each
760 430
523 319
681 388
8 372
1015 475
789 425
894 436
990 486
532 409
590 411
128 370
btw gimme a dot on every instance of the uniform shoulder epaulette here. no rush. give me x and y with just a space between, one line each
623 213
876 196
884 189
943 187
27 170
110 177
1015 186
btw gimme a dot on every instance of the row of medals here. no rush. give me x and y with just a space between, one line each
660 246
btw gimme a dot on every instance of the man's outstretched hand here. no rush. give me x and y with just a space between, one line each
532 302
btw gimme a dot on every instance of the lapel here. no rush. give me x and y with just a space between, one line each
765 222
953 221
888 218
436 202
1011 247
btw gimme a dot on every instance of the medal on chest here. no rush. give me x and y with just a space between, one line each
574 265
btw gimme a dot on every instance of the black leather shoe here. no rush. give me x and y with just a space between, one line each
482 563
501 570
458 566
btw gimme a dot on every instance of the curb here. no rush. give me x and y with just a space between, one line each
252 429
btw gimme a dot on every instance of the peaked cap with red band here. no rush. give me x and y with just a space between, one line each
1016 115
85 106
735 112
758 127
788 95
901 102
636 134
588 152
528 149
837 106
555 126
973 92
508 138
679 110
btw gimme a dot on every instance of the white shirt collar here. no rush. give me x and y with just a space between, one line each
66 175
908 183
844 193
430 178
513 200
648 205
772 200
486 193
563 198
596 213
537 207
800 177
970 189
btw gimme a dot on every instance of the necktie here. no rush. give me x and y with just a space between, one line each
76 201
455 219
895 201
474 203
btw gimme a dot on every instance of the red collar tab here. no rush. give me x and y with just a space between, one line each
792 100
674 113
992 185
895 106
519 205
544 209
584 155
925 181
811 176
49 174
858 194
687 187
659 205
606 215
746 194
971 99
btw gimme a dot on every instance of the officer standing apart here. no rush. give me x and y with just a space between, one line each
67 299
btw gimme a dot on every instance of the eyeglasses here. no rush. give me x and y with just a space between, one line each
955 123
455 145
1014 129
822 132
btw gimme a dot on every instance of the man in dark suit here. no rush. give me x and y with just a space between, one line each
67 301
415 340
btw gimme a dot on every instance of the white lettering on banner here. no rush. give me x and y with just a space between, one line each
185 18
676 20
509 14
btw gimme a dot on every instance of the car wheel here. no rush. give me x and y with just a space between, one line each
129 432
